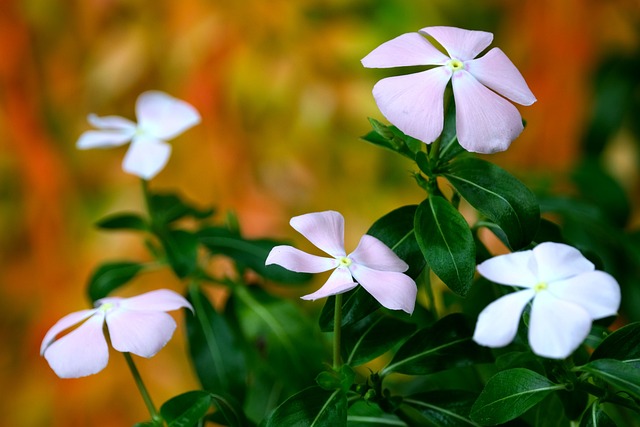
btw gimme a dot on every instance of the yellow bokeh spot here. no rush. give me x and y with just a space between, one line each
540 287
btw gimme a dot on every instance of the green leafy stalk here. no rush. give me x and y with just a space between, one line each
337 331
142 388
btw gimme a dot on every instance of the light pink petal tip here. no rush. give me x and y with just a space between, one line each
498 323
372 253
393 290
158 300
103 139
405 50
301 262
557 261
339 282
460 44
323 229
139 332
164 116
146 157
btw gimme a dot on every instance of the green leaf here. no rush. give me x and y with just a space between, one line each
228 411
449 146
110 276
446 243
369 414
336 380
248 254
509 394
186 409
181 248
623 344
499 196
442 408
596 417
312 407
624 376
356 305
446 344
166 208
123 221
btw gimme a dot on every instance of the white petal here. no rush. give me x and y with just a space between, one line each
103 139
556 327
415 102
405 50
393 290
372 253
461 44
158 300
139 332
81 352
557 261
112 123
323 229
65 323
296 260
498 323
595 291
498 73
510 269
146 157
164 116
339 282
485 122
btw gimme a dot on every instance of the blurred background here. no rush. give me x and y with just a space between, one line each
284 100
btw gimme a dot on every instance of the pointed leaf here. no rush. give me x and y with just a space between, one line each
449 145
356 305
123 221
623 344
110 276
442 408
166 208
312 407
186 409
624 376
596 417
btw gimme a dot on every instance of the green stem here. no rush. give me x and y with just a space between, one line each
141 387
429 291
146 195
337 332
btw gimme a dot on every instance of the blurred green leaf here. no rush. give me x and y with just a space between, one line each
442 408
596 417
624 376
186 409
623 344
110 276
311 407
369 414
181 248
333 380
166 208
123 221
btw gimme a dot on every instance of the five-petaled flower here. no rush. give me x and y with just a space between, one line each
485 121
372 264
137 325
567 292
160 117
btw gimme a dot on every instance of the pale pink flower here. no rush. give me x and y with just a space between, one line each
372 264
485 121
160 117
567 293
137 325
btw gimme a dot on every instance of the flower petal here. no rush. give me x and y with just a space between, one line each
103 139
498 323
414 102
81 352
393 290
557 261
301 262
461 44
485 122
146 157
556 327
405 50
323 229
158 300
595 291
510 269
112 123
65 323
498 73
339 282
374 254
139 332
163 116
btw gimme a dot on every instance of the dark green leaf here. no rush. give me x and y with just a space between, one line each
312 407
110 276
356 304
623 344
186 409
181 248
449 146
393 139
228 412
446 243
369 414
166 208
596 417
509 394
334 380
624 376
499 196
123 221
441 408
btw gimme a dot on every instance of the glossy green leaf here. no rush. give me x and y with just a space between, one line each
623 344
499 196
110 276
449 146
446 243
123 221
392 138
228 412
509 394
624 376
442 408
186 409
356 305
369 414
446 344
166 208
596 417
312 407
181 248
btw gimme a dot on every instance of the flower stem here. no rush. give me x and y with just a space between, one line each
146 196
337 332
141 387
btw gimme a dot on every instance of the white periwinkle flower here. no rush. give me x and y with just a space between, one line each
160 117
137 325
372 264
567 293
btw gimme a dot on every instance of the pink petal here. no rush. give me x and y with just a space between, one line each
323 229
414 102
374 254
556 327
485 122
461 44
146 157
164 116
296 260
498 323
103 139
557 261
498 73
139 332
339 282
81 352
65 323
393 290
595 291
158 300
405 50
513 269
112 123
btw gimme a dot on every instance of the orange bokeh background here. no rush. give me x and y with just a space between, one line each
284 100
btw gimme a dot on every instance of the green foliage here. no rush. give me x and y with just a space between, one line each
621 375
313 407
623 345
110 276
441 408
123 221
596 417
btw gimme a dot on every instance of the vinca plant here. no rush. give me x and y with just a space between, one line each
425 322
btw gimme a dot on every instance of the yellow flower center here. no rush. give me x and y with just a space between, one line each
540 287
455 65
344 261
107 306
